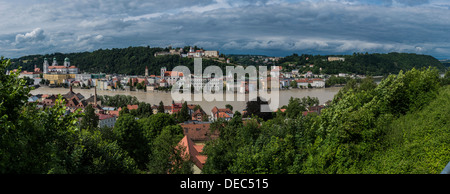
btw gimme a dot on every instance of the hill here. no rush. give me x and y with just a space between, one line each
398 126
130 61
360 63
133 60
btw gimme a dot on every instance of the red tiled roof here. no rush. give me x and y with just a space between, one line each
114 113
132 107
224 115
304 80
176 73
199 131
192 151
104 116
57 67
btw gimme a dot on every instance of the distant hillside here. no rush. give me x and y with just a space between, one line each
133 60
360 63
130 61
446 62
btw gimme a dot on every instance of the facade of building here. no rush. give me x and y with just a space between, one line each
223 113
105 120
336 59
59 74
213 54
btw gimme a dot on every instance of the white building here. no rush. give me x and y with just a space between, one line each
336 59
57 69
211 54
106 120
171 77
318 83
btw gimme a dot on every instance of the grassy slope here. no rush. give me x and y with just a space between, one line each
417 142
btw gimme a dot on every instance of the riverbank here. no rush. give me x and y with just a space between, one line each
323 94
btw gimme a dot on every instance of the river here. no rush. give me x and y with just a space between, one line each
323 94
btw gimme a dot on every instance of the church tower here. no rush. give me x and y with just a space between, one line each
54 62
45 68
146 71
66 62
163 71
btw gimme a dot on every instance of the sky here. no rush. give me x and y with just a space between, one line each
268 27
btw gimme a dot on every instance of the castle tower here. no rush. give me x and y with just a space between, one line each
146 71
45 68
66 62
54 62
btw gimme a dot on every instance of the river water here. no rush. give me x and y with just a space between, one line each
323 94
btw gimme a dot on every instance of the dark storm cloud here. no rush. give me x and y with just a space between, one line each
276 27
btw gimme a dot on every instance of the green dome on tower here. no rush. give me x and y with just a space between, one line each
66 59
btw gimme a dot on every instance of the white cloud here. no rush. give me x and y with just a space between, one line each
35 36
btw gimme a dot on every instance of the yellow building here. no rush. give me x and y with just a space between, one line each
58 79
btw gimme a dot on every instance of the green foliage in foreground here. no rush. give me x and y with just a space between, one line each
41 141
398 126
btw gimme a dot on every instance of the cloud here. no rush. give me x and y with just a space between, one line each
412 2
104 23
272 27
35 36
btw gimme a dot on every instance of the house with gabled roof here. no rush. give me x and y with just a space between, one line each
224 113
193 152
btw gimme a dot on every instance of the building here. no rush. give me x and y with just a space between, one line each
317 109
193 152
63 69
199 115
59 74
318 83
105 120
171 52
198 131
171 77
336 59
223 113
302 83
342 75
197 53
213 54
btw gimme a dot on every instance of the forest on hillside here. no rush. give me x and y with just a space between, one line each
129 61
133 60
361 63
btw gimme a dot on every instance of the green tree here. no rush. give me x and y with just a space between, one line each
167 156
293 84
131 138
153 125
161 107
229 107
183 114
90 119
294 108
96 155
